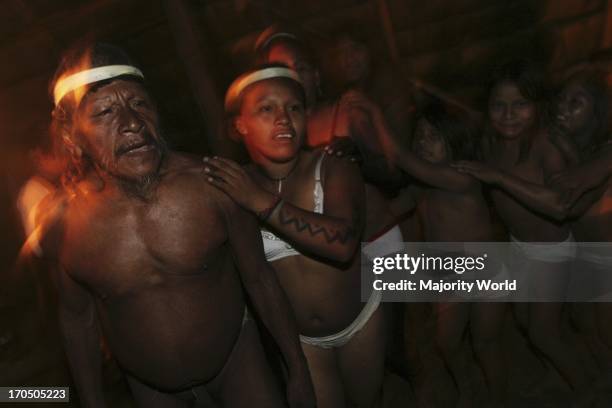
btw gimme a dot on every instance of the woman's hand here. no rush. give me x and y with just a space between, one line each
229 177
478 170
343 147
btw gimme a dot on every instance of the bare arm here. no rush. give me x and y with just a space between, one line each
436 175
586 201
376 167
538 197
76 309
79 327
440 176
269 301
584 177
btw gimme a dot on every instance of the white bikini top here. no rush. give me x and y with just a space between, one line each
274 247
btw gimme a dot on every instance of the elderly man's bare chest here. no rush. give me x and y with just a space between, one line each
128 244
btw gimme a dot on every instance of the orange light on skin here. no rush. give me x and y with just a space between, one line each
39 210
30 196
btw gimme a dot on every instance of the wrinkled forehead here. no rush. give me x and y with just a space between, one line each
113 89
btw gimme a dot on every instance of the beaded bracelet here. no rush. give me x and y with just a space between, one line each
263 215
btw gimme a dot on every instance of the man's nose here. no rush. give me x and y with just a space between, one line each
130 121
282 116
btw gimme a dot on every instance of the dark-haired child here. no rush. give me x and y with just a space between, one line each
453 209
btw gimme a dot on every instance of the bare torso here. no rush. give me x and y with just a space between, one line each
454 217
160 271
523 223
324 297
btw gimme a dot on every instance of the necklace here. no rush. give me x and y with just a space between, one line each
280 180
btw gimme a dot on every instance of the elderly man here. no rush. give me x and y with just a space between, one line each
155 257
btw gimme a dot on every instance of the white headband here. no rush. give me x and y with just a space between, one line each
235 89
89 76
268 35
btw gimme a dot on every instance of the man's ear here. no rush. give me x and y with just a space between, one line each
240 126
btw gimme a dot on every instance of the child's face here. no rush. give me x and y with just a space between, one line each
575 106
429 144
510 113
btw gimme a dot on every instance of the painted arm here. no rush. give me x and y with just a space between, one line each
270 302
335 235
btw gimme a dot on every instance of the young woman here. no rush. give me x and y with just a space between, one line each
519 159
583 134
332 120
453 209
312 214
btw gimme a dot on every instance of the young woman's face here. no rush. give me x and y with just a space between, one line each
353 59
283 53
510 113
429 144
576 108
272 120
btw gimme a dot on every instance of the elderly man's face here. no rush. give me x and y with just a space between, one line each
118 127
